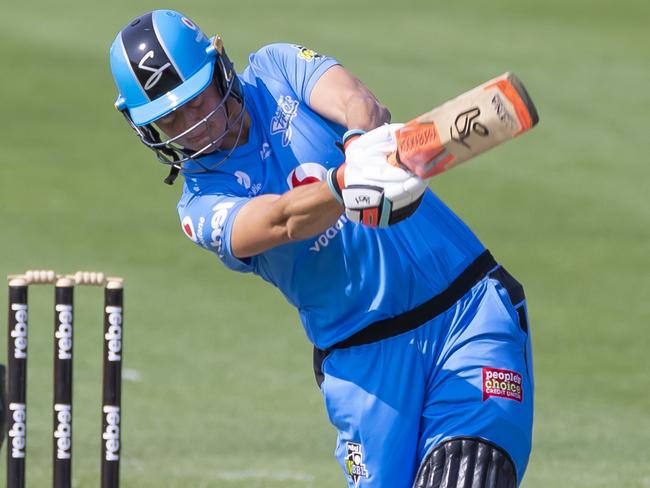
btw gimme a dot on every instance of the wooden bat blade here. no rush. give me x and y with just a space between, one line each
460 129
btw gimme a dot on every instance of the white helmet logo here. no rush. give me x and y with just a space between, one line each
157 72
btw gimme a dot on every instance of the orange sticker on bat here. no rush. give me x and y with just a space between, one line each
418 146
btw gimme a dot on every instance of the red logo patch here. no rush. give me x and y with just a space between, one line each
305 174
305 181
188 228
502 383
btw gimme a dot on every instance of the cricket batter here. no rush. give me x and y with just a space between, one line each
421 340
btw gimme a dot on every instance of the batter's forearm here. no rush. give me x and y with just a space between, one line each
342 98
309 210
268 221
363 111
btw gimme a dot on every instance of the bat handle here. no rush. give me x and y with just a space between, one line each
393 160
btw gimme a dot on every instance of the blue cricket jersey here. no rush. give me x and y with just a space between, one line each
350 275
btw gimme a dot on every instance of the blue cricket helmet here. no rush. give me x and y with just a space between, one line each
160 61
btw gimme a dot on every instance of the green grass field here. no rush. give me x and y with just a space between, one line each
219 390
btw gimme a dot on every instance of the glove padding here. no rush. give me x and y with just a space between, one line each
374 192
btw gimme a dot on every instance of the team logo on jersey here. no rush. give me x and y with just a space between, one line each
502 383
354 463
305 174
245 180
307 54
265 152
285 113
188 227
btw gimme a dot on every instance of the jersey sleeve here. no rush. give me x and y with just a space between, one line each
299 66
207 220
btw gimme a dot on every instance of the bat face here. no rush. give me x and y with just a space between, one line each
464 127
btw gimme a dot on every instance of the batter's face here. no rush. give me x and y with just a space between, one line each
192 113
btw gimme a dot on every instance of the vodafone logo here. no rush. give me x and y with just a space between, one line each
188 228
305 174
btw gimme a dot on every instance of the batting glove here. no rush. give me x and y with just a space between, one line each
374 192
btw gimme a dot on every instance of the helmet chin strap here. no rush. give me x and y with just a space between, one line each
174 170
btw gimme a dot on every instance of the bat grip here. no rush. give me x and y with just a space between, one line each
393 160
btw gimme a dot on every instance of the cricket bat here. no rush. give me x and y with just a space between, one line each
484 117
